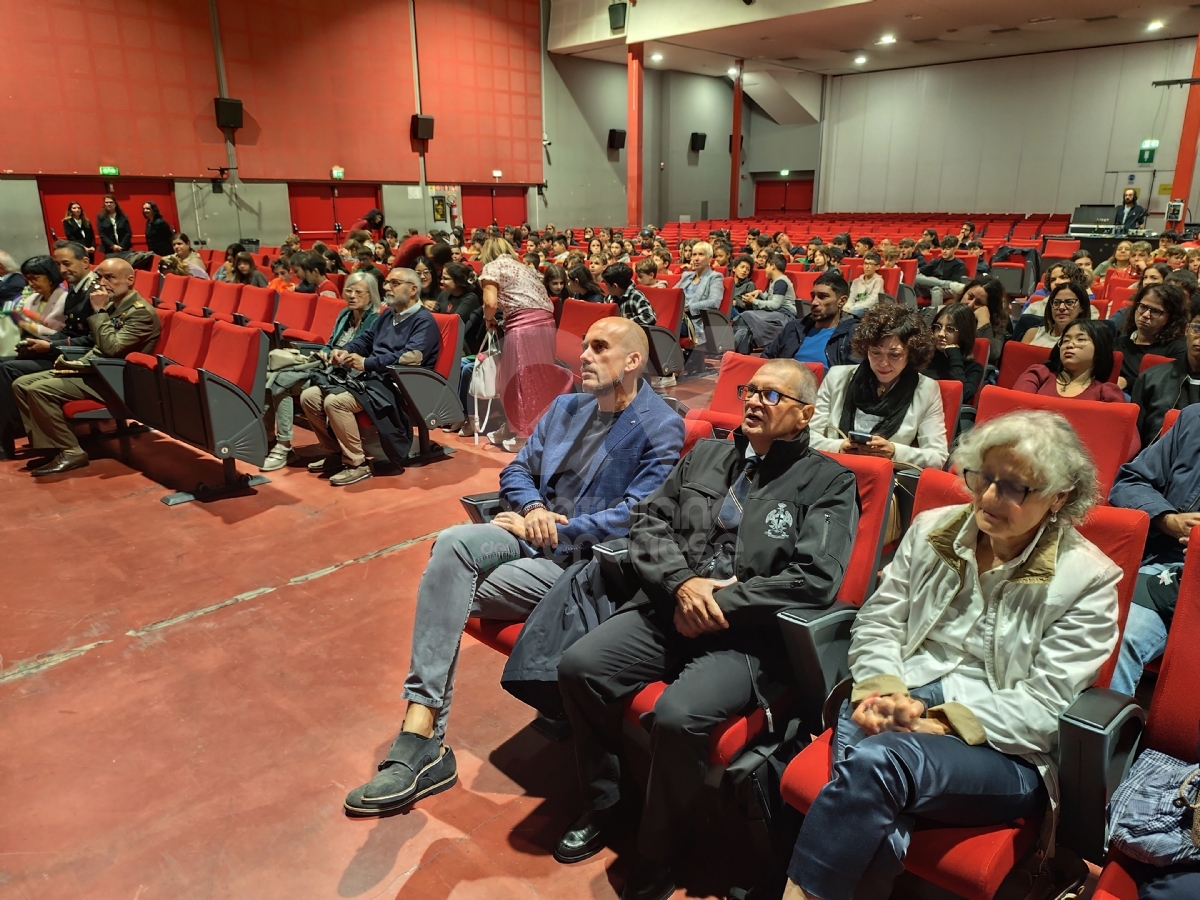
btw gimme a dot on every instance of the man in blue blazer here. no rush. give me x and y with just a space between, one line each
592 457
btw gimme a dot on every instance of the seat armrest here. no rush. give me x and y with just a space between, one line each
1098 738
818 645
112 371
239 319
308 347
482 508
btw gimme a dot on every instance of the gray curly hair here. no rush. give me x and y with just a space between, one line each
1048 444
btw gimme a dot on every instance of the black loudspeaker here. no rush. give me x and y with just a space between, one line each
616 139
422 128
229 112
616 15
698 140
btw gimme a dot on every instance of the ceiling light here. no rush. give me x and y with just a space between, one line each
913 16
887 39
657 57
1155 25
732 72
859 60
785 172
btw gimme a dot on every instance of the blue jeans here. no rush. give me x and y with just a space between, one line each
856 834
1144 641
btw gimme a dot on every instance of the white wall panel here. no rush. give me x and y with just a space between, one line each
1021 134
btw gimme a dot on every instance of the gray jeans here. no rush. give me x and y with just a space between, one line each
474 570
280 411
939 290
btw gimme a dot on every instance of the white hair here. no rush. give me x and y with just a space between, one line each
704 247
364 278
1046 443
7 263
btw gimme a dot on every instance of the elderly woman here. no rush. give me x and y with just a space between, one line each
992 618
703 286
286 383
528 379
884 406
42 310
1079 366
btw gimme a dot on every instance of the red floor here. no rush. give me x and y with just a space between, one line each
188 693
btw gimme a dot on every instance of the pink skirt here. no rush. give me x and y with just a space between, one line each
528 378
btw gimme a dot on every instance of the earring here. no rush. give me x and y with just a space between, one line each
1053 517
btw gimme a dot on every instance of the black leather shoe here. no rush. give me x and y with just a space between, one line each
584 839
64 462
650 880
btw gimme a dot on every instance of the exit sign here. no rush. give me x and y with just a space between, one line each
109 170
1146 152
337 172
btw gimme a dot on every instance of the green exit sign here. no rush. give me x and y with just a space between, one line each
109 170
1146 152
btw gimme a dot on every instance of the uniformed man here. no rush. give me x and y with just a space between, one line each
740 530
121 322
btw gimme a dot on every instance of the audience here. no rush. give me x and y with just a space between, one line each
158 231
286 383
42 311
942 277
987 298
884 400
1079 366
1067 303
226 271
460 297
355 381
1119 261
1163 481
934 654
631 303
591 457
823 336
954 349
1155 325
12 282
1164 387
281 277
765 313
309 270
702 286
77 227
245 271
707 593
121 322
866 288
581 286
528 379
113 229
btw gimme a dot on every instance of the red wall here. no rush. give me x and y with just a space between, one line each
128 83
480 66
324 83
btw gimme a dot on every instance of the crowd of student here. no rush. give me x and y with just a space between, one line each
737 530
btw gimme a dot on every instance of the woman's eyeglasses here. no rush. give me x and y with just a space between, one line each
1153 311
939 328
1064 303
1010 491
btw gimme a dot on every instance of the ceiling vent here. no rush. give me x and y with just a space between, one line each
1004 30
1107 18
931 40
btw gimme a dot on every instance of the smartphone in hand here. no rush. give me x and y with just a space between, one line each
860 437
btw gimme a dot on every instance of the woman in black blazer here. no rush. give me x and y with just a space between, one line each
158 231
77 228
112 225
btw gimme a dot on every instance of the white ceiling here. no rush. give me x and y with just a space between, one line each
927 32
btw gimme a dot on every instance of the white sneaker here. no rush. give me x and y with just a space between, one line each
276 459
662 384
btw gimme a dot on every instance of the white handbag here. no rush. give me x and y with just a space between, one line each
485 381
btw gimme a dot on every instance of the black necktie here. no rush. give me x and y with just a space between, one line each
730 516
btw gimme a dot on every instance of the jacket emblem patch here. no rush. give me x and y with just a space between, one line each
779 520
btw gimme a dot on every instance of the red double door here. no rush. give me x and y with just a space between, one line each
484 205
130 193
324 212
792 195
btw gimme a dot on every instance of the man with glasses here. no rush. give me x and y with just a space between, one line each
741 530
405 335
824 335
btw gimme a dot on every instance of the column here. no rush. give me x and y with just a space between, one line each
1185 159
735 156
635 60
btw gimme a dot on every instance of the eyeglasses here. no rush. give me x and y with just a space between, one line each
1153 311
1009 491
768 396
1194 328
1064 303
938 328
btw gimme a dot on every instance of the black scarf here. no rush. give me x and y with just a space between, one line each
862 396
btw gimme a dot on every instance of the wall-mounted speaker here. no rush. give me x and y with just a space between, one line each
698 140
616 15
422 128
616 139
229 112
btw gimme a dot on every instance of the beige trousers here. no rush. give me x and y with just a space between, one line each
336 411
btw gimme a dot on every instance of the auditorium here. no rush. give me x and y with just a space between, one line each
707 401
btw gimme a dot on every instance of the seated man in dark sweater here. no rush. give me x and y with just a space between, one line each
1175 385
407 335
942 277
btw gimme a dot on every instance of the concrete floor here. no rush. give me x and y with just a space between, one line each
187 694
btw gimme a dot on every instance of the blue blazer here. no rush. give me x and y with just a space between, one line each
639 453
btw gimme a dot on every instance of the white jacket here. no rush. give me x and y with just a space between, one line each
924 424
1050 628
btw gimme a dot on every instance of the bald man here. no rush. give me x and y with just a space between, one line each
591 457
740 531
121 322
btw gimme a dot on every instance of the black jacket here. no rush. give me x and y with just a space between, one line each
837 352
79 232
793 545
1156 391
77 310
1133 218
106 226
952 269
952 365
158 236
